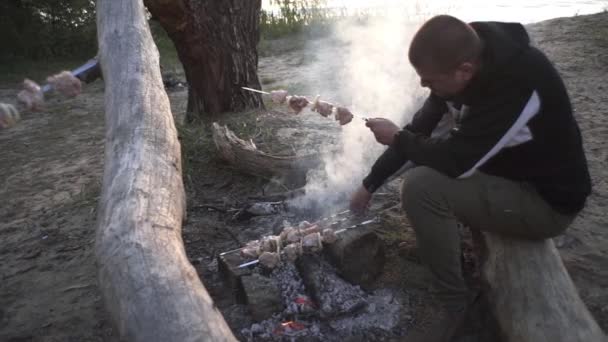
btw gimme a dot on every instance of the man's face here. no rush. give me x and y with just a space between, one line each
446 84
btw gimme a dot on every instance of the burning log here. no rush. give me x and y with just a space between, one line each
228 267
358 254
248 158
531 293
334 296
262 296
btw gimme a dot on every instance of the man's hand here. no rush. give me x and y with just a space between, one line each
360 200
384 130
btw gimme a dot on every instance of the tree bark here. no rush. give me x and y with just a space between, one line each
216 42
149 287
531 293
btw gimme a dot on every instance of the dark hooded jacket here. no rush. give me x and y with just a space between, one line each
514 120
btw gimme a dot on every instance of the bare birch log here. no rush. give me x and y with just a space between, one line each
150 289
248 158
532 295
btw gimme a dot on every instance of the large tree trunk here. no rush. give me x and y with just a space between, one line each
216 42
150 289
532 294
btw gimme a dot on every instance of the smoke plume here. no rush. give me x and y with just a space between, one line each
363 65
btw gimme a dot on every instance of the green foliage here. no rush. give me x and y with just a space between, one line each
169 60
296 16
42 29
47 28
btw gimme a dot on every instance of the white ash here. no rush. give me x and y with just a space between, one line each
272 330
336 296
291 286
382 313
378 320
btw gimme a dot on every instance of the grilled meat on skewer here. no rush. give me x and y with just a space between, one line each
31 96
322 107
279 96
297 103
343 115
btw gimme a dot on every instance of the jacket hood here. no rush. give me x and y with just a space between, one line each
502 44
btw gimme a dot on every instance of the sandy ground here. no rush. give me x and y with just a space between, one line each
51 166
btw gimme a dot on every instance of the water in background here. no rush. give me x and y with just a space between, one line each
363 65
525 11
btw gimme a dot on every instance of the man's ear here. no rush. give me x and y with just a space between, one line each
467 69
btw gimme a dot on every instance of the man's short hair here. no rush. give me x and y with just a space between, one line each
443 43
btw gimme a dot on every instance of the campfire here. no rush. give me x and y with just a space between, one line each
308 281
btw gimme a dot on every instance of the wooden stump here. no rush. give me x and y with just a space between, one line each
531 293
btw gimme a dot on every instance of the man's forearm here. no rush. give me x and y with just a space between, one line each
387 164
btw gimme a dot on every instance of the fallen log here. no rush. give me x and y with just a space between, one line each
531 293
246 157
149 287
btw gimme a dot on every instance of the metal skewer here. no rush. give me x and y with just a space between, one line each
339 231
314 223
256 90
267 93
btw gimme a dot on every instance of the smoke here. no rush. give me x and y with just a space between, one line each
362 65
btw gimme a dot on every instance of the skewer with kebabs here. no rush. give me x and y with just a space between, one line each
298 103
292 242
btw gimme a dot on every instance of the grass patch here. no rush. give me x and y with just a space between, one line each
197 146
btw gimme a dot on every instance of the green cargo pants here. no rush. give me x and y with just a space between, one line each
435 203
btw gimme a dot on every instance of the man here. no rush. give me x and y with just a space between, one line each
513 163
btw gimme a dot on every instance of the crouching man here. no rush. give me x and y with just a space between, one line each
513 162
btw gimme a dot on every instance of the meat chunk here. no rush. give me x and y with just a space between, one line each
65 83
9 116
31 96
252 249
271 244
269 260
343 115
278 96
322 107
329 236
312 243
297 103
293 251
